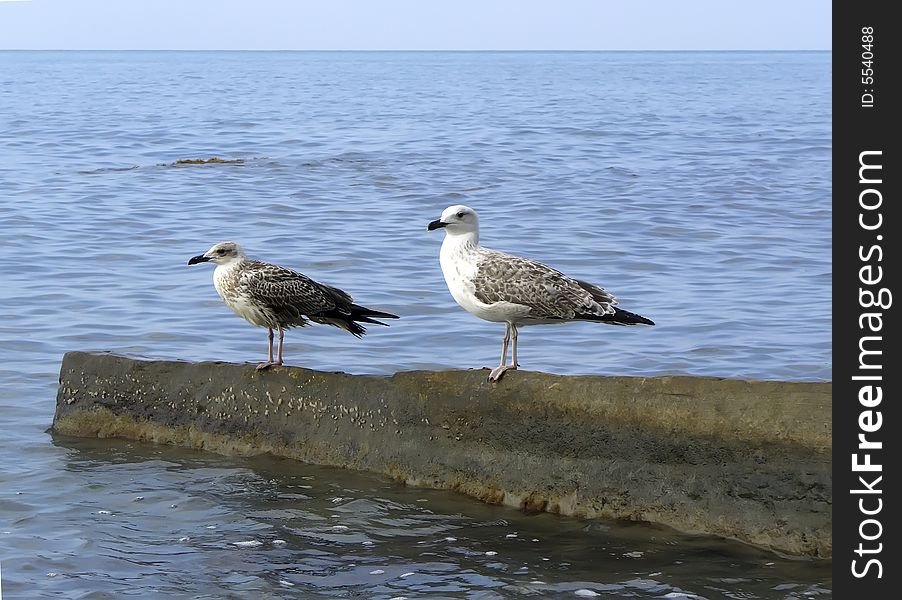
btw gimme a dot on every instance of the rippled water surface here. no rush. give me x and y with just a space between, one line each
695 186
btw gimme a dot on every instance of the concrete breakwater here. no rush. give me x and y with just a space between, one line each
748 460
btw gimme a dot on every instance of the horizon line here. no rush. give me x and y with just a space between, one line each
409 50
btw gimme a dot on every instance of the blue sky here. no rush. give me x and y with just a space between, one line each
416 24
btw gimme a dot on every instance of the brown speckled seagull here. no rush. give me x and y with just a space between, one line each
278 298
516 291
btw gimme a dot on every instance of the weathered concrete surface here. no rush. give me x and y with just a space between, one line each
743 459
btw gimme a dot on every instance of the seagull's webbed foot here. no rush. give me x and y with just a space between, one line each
498 372
265 365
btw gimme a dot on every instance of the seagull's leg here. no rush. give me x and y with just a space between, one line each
268 363
498 371
514 335
281 341
507 339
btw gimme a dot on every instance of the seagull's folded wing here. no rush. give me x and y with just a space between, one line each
546 291
286 292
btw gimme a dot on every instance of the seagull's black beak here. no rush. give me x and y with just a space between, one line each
437 224
198 259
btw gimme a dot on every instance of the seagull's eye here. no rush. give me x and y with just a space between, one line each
460 215
221 251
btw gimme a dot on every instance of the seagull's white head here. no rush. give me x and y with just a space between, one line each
222 253
457 220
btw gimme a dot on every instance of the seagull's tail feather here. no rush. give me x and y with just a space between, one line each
351 326
620 317
350 318
361 314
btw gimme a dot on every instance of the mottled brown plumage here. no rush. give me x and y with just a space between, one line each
279 298
549 294
285 297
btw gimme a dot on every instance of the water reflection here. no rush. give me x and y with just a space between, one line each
177 521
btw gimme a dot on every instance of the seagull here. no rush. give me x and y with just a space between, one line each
516 291
278 298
